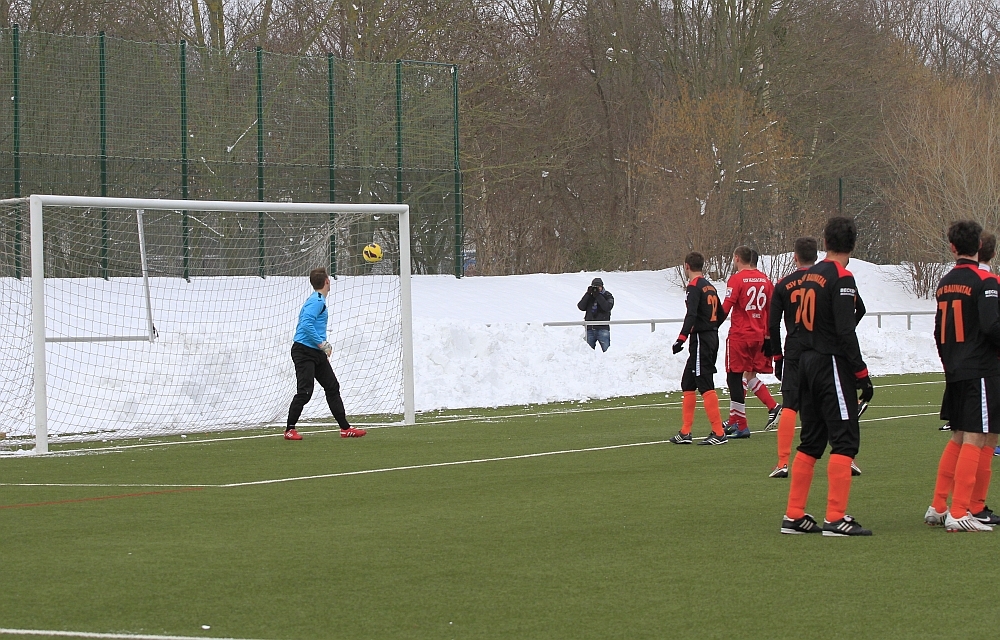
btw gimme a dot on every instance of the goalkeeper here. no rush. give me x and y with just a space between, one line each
311 355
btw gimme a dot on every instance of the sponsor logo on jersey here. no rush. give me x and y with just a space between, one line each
847 291
991 293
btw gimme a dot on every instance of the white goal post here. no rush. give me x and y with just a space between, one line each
385 343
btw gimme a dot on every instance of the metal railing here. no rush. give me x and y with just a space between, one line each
652 322
909 316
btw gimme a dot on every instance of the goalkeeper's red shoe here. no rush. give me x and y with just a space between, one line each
351 432
292 434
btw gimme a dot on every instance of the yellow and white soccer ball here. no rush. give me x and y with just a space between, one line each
373 252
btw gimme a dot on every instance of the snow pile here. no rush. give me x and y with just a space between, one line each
480 341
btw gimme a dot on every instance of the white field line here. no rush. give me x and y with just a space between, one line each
379 425
88 634
361 472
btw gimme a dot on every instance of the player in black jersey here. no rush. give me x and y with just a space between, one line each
830 369
785 302
967 332
700 331
786 363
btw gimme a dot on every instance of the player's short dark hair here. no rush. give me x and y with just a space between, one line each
745 254
317 278
965 234
988 248
805 249
695 261
840 234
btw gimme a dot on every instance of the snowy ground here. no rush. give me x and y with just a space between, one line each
478 342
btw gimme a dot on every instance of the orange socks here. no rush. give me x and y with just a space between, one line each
838 473
786 434
945 476
802 477
965 479
687 411
711 400
984 472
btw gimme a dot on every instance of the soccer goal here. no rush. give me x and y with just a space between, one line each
127 317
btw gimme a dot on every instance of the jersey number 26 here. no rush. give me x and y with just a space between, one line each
758 299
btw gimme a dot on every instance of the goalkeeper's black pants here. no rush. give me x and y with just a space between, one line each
312 364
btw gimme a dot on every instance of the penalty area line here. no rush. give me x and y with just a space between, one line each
89 634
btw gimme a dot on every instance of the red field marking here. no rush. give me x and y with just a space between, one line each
123 495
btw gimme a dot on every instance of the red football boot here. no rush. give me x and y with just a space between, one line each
351 432
292 434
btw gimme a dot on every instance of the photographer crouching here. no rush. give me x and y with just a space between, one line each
597 304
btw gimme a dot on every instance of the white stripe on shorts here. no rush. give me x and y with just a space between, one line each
697 355
840 392
985 410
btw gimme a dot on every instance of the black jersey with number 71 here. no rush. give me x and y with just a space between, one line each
967 322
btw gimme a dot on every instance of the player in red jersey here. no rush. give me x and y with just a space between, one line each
748 299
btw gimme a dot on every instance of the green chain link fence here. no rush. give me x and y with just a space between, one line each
95 115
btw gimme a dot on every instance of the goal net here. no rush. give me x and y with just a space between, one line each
154 317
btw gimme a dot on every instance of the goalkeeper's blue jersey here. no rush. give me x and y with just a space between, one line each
311 330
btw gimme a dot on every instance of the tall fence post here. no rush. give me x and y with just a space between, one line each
331 159
840 196
185 233
399 132
16 60
459 231
260 157
103 80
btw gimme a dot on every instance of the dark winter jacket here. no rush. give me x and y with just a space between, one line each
597 306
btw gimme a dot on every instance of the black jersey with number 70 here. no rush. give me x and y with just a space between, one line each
825 318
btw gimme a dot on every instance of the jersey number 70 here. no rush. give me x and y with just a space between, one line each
805 312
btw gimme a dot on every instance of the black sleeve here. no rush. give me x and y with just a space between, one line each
604 301
585 301
859 310
693 302
844 292
723 314
774 322
989 311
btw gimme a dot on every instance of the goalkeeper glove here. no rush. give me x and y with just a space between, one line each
867 389
326 348
678 346
779 366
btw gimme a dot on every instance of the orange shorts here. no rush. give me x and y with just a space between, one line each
747 355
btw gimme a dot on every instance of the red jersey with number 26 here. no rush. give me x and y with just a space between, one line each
748 299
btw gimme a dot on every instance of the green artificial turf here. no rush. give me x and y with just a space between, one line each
650 541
